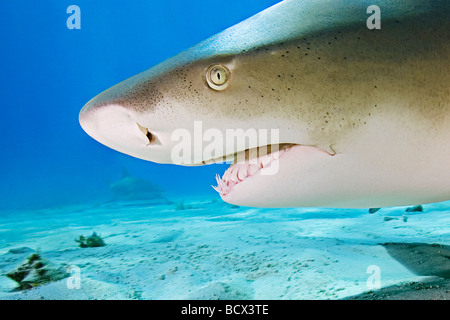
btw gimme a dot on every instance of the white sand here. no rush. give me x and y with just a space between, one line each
211 250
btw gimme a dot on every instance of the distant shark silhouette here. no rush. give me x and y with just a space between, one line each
133 188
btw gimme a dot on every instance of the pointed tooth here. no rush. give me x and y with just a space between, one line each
220 183
233 173
242 173
266 160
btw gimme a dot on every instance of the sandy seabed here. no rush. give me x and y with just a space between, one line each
207 249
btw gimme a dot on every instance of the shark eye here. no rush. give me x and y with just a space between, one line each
217 77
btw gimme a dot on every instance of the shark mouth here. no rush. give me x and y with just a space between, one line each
249 163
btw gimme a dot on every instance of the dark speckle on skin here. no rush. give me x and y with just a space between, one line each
139 98
317 83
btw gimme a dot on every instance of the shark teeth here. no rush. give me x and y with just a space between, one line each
238 172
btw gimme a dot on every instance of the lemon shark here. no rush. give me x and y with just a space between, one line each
362 114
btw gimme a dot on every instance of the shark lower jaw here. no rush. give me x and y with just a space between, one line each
243 169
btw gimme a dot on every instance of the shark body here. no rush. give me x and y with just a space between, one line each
363 115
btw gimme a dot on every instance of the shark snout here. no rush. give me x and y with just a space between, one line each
123 129
124 119
114 126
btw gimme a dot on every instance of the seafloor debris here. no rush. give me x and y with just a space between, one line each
418 208
404 218
180 205
36 271
93 241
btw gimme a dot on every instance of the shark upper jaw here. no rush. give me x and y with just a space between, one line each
245 166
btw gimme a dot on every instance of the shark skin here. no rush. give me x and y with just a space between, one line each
363 115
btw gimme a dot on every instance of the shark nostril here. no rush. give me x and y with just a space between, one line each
147 133
149 136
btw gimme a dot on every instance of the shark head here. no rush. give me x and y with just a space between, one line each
292 100
197 108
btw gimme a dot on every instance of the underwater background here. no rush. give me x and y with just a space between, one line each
49 72
176 239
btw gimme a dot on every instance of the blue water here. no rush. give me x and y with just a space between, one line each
49 72
55 180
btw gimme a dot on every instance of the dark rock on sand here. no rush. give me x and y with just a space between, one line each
90 242
423 259
418 208
36 271
20 250
430 289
